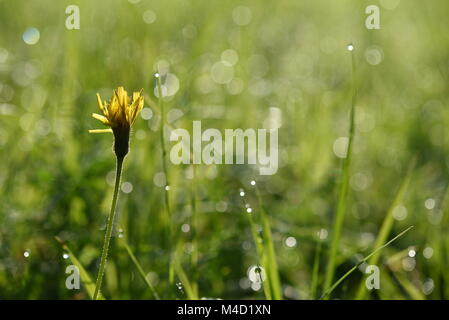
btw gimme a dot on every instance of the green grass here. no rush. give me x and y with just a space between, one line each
197 240
344 185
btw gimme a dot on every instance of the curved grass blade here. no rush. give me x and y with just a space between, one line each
335 285
387 225
88 284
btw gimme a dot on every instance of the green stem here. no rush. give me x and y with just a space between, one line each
171 269
343 190
335 285
139 268
273 271
195 253
110 224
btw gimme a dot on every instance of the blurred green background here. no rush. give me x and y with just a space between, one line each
230 64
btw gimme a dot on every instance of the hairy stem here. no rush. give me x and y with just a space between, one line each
110 224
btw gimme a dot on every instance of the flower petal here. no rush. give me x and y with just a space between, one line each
101 118
100 104
100 130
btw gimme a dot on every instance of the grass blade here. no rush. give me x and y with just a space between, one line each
189 289
335 285
315 270
139 268
273 272
387 224
86 280
261 254
344 187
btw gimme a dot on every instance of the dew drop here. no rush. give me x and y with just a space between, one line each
256 274
31 36
350 47
65 256
26 254
290 242
428 252
185 227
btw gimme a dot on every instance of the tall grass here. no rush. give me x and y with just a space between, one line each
169 221
139 269
264 244
53 174
327 293
387 225
344 184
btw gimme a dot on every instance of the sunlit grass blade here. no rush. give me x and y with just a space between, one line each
182 275
344 187
139 268
261 255
171 241
86 279
273 272
266 255
413 292
337 283
315 271
387 224
441 247
194 222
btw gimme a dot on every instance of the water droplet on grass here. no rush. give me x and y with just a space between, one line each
31 36
256 274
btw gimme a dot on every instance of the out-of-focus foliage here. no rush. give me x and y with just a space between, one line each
230 64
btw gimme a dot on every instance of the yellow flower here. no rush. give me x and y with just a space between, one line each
119 114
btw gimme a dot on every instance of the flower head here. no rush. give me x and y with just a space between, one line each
119 114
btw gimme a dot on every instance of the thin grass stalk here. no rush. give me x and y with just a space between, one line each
315 271
110 224
171 268
344 187
387 225
194 222
86 279
261 257
140 269
327 293
275 282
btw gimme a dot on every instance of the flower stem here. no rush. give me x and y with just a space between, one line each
110 224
